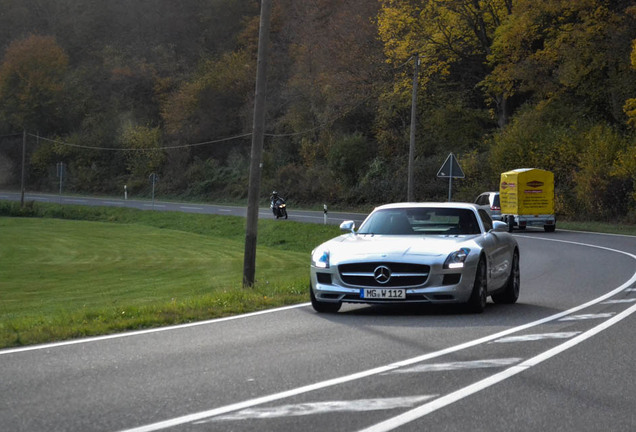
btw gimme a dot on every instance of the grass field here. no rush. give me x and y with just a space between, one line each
90 271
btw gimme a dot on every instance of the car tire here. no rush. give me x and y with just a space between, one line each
479 295
510 293
323 307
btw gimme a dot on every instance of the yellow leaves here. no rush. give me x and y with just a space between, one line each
630 111
144 155
630 104
397 27
442 32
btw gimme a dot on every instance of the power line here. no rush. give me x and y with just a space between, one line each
245 135
67 144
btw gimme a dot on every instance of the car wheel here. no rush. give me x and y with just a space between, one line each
510 294
479 295
323 307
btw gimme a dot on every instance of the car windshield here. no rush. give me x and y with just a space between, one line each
421 221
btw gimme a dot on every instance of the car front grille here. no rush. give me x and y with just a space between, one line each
384 274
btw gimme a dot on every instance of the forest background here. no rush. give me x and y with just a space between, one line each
118 90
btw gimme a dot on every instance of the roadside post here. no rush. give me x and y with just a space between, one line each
154 178
450 169
60 175
324 206
125 193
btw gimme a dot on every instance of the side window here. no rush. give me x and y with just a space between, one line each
485 219
480 200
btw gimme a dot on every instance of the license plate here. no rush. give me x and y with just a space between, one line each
383 294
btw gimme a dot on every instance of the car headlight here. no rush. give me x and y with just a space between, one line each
320 258
456 259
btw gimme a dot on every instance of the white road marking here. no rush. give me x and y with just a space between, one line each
113 203
460 394
80 201
314 408
148 331
588 316
618 301
453 366
537 337
190 208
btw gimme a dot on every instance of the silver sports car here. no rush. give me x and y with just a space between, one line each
417 253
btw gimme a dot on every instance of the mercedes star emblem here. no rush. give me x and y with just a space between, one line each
382 274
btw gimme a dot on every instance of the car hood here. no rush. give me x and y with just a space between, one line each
358 247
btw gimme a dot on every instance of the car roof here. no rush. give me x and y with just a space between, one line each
458 205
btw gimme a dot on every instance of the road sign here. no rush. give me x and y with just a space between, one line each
450 168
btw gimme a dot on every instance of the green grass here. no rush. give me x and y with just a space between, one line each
74 271
600 227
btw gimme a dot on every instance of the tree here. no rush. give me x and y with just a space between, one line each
144 155
452 37
32 84
212 105
573 53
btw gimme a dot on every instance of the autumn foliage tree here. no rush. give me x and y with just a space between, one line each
32 84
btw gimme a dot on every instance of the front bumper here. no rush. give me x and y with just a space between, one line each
440 286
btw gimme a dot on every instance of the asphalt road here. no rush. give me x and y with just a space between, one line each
294 215
562 358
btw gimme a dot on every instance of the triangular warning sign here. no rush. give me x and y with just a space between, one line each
450 168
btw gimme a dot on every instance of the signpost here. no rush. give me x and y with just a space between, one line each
154 178
450 169
60 175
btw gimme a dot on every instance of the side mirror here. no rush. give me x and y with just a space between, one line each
350 226
499 226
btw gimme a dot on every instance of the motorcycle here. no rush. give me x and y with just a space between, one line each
279 208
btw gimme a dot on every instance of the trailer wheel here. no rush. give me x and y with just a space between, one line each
549 228
511 224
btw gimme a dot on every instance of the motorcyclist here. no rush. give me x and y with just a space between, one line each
274 198
276 202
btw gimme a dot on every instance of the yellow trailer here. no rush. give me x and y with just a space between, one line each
527 198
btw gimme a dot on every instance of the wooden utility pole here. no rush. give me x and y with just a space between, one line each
410 186
256 164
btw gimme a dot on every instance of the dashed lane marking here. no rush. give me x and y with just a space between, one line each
453 366
537 337
618 301
588 316
314 408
